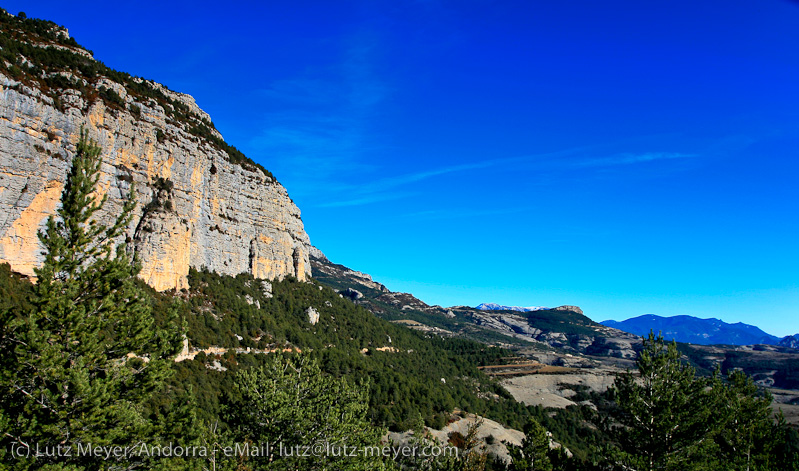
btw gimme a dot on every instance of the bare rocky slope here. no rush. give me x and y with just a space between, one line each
201 203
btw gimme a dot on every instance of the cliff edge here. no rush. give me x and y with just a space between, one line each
201 203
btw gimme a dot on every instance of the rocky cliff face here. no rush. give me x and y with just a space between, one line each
197 205
790 341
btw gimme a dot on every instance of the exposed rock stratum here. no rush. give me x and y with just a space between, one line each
197 206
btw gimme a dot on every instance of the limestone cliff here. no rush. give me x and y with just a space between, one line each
201 203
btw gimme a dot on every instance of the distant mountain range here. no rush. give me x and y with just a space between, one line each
698 331
499 307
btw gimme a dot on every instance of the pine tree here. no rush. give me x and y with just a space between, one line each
670 419
744 416
14 299
665 410
425 453
289 401
783 448
533 454
88 356
746 436
471 456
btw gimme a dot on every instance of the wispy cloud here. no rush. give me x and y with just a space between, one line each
301 90
366 90
321 138
394 182
438 214
550 160
322 129
385 189
367 199
630 159
380 190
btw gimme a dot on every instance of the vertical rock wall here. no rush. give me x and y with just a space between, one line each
195 207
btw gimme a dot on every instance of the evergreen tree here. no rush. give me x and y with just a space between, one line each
87 356
14 299
670 419
743 413
665 411
533 454
289 402
747 437
425 453
471 456
783 448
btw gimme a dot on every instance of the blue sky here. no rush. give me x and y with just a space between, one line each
627 157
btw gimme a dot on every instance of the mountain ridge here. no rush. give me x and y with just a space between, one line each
696 330
501 307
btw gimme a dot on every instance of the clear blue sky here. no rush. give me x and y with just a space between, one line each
627 157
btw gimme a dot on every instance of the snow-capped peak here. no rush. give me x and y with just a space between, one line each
499 307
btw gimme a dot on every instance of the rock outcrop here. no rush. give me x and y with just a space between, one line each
790 341
313 315
569 308
197 205
353 294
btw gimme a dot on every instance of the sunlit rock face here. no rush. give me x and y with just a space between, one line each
195 208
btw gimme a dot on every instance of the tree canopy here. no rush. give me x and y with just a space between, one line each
671 419
86 355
